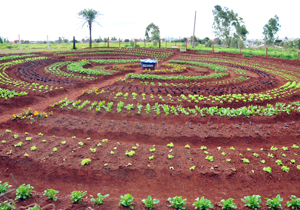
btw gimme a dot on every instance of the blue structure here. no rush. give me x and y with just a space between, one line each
148 63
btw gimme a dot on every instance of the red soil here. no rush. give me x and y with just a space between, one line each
61 170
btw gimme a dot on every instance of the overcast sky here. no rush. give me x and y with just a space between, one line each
35 19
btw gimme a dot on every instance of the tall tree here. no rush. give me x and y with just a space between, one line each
154 30
270 29
89 16
228 26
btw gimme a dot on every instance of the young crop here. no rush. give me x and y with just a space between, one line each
54 149
149 203
170 145
28 138
252 201
152 149
19 144
192 168
170 156
104 140
267 169
178 203
187 146
24 192
278 162
210 158
294 203
275 203
151 157
80 143
263 161
295 146
63 142
6 206
270 155
285 169
203 147
76 196
245 160
33 148
51 193
100 198
8 131
4 187
285 148
16 136
126 201
274 148
228 204
232 148
129 154
255 154
93 150
34 208
203 204
3 141
293 161
85 161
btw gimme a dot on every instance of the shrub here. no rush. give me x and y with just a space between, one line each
76 196
99 200
228 204
24 192
275 203
203 204
149 203
178 203
126 201
252 201
34 208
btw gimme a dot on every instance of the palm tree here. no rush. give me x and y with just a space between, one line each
89 16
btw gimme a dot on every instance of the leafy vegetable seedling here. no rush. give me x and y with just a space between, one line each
267 169
129 154
245 160
170 156
85 161
187 146
63 142
295 146
294 203
76 196
274 203
232 148
255 154
210 158
4 187
285 169
192 168
126 201
203 204
228 204
51 193
278 162
203 147
99 199
16 136
178 203
170 145
80 143
104 140
28 138
19 144
33 148
252 201
149 203
24 192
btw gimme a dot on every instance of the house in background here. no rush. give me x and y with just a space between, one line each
16 42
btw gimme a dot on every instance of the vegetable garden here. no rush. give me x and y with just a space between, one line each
92 130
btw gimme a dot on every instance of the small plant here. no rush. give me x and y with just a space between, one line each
104 140
285 169
152 149
285 148
16 136
34 208
151 157
80 143
4 187
19 144
24 192
3 141
245 160
270 155
85 161
203 147
63 142
126 201
76 196
149 203
275 203
255 154
73 137
293 161
99 145
267 169
93 150
223 153
44 141
210 158
170 156
8 131
187 146
28 138
283 155
99 200
278 162
228 160
232 148
274 148
26 155
129 154
33 148
40 134
170 145
54 149
298 167
228 204
203 204
50 193
112 152
178 203
295 146
192 168
263 161
248 149
252 201
294 203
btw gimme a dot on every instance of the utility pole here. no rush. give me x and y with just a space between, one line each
20 44
194 30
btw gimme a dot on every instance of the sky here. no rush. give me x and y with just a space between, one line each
33 20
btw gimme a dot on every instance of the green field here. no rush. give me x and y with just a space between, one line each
290 54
